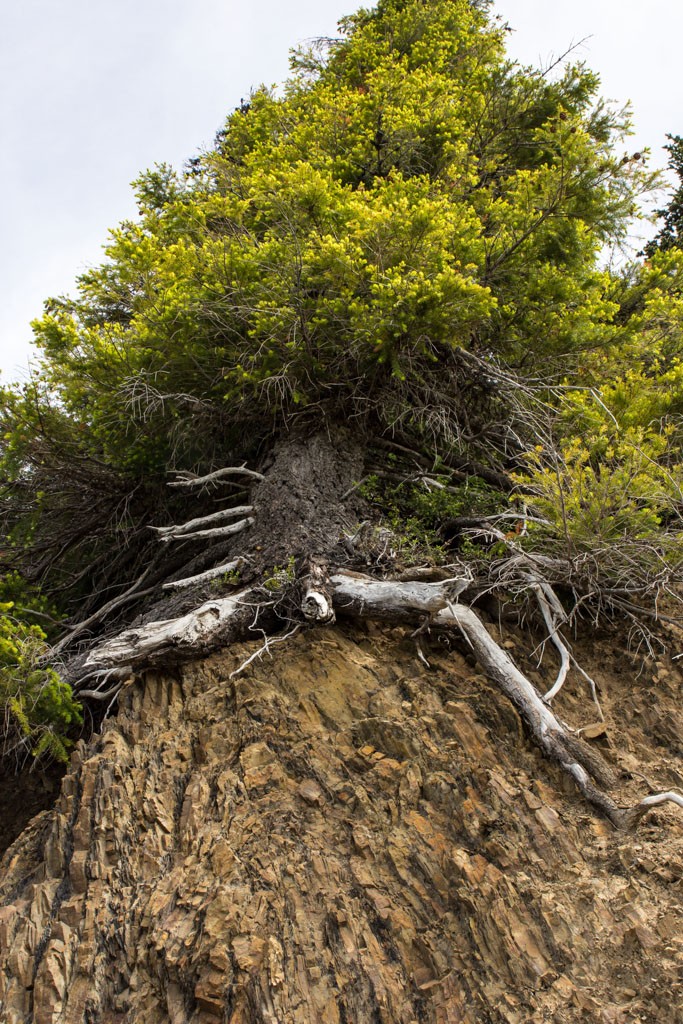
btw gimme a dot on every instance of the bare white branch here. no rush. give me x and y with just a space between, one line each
660 798
192 631
634 814
219 531
550 617
219 570
184 479
388 595
182 529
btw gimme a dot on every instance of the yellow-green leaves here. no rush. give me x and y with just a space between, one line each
606 489
38 710
409 193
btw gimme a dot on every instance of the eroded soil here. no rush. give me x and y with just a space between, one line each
340 834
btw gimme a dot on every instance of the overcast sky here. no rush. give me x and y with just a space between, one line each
93 92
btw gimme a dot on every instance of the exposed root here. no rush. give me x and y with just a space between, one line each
420 654
119 674
387 600
101 694
633 816
265 649
195 633
551 615
551 608
220 622
591 683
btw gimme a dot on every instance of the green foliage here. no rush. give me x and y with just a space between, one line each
410 201
606 486
417 513
27 602
227 579
38 709
280 576
383 212
610 488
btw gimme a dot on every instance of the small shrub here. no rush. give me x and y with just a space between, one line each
416 513
38 708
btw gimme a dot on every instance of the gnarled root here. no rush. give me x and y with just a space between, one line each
193 634
394 601
220 622
316 594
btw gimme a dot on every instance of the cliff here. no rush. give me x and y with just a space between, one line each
340 834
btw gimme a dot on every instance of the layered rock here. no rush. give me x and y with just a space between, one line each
341 835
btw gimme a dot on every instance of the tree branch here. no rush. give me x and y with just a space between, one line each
183 529
185 479
219 531
219 570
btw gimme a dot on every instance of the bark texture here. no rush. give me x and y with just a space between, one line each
340 835
299 505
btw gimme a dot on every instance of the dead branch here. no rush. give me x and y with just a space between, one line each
203 577
219 531
184 479
553 613
633 816
195 633
182 530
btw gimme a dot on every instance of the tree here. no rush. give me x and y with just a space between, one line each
669 235
359 362
377 299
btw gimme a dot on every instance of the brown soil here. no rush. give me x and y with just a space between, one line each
342 835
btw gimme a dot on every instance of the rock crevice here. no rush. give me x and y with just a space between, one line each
337 834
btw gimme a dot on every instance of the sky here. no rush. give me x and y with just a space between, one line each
93 92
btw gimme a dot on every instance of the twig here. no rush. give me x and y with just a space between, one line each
129 595
591 683
263 650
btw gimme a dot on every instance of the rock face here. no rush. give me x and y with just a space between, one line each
340 835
